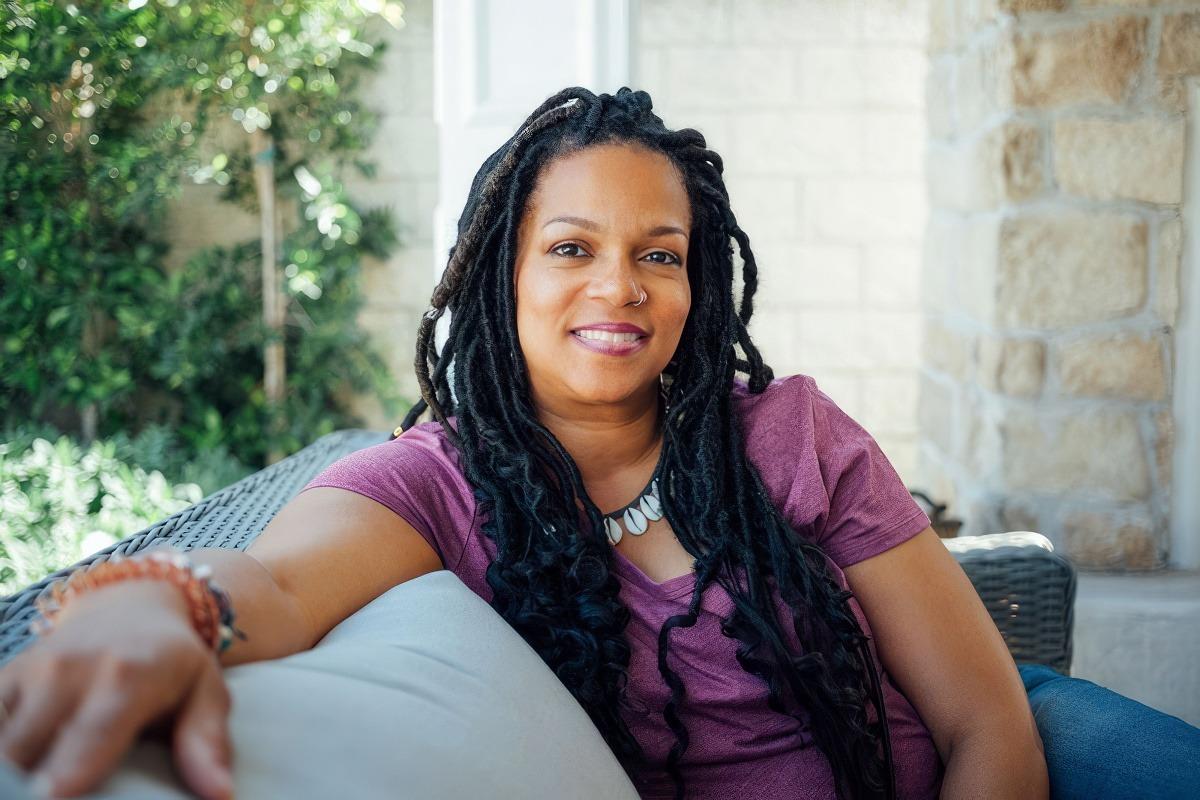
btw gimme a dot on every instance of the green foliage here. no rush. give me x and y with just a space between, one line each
103 107
60 501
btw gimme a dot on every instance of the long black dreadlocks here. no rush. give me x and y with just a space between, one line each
552 578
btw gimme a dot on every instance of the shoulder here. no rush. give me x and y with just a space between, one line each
784 414
422 463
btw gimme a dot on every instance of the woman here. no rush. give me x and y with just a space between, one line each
727 574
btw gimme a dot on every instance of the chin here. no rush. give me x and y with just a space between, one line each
599 389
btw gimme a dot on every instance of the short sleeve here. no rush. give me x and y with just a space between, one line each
870 510
417 478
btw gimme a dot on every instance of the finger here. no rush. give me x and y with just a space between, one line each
44 705
93 742
202 747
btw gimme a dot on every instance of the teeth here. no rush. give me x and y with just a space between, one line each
607 336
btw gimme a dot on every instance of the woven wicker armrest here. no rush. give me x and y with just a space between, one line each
231 518
1027 588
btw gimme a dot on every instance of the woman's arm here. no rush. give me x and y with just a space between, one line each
941 648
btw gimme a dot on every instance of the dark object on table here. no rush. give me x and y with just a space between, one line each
944 527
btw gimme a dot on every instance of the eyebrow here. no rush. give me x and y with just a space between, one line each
587 224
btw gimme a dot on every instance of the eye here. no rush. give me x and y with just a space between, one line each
673 258
556 248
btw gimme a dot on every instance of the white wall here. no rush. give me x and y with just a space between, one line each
817 107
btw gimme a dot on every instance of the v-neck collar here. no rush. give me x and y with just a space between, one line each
672 588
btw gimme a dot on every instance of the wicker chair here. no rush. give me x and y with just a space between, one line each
1028 589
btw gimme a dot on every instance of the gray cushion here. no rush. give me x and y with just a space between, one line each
425 693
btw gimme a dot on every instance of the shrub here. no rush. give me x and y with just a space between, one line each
61 501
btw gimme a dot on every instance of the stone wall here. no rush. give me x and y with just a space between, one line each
817 108
1051 270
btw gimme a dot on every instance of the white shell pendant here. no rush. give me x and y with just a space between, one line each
635 521
651 507
613 529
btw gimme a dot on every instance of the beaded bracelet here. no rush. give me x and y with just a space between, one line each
209 606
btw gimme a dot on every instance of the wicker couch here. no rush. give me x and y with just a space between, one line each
1027 587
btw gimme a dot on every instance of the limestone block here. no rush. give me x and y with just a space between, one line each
1170 93
1133 3
890 339
893 143
1103 159
782 143
936 413
1012 156
1028 6
975 280
895 77
1164 448
714 76
1012 366
1096 451
1097 63
947 349
1166 279
1003 165
940 97
1124 365
830 77
1070 268
794 21
890 404
982 442
1179 50
684 22
906 23
940 257
1104 541
945 25
891 276
891 209
766 208
846 75
793 276
984 82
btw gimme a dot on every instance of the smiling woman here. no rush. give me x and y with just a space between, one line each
597 345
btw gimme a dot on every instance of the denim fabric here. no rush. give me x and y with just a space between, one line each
1103 746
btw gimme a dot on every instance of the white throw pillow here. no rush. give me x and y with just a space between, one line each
423 693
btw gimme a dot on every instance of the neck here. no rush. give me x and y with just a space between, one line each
615 445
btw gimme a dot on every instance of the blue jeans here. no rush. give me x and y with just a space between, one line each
1103 746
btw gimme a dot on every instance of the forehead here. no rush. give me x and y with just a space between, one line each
611 184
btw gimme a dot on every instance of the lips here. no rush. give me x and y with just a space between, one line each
611 338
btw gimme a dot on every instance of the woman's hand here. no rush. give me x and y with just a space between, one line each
120 659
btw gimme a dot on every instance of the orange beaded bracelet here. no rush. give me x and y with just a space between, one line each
208 605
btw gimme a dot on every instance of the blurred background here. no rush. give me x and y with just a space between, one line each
975 220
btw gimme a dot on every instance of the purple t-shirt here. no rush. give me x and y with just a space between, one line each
823 471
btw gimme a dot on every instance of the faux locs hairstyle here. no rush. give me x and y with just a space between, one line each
551 578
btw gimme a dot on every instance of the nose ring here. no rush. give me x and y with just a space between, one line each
642 300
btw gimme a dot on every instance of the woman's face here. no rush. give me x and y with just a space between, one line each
605 226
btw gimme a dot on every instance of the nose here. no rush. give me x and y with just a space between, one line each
615 281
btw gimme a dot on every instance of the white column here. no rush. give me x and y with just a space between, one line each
497 60
1185 483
